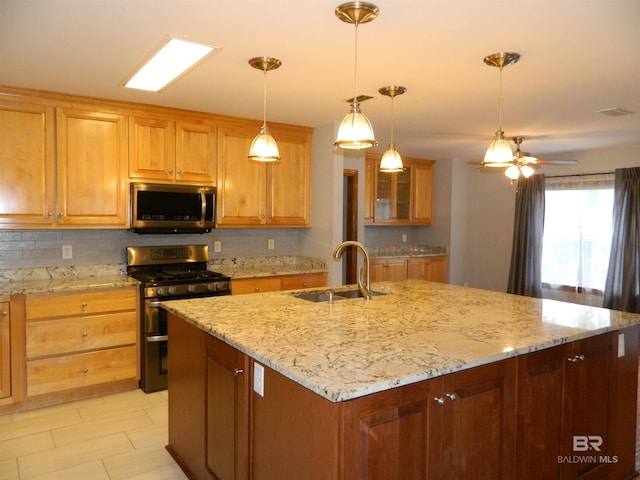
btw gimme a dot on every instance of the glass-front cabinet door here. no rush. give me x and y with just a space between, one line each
393 196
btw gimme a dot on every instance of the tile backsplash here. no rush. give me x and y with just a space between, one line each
43 248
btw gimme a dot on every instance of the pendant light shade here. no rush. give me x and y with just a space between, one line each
264 147
355 131
499 151
391 161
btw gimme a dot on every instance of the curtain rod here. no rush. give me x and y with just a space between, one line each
580 174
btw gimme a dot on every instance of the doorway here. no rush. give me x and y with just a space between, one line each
350 224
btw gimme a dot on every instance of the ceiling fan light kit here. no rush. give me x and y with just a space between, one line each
391 161
355 131
264 147
499 152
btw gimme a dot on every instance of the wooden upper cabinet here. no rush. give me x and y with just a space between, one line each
27 189
91 167
404 198
252 194
163 150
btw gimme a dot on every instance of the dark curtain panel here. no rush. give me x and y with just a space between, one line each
525 274
622 289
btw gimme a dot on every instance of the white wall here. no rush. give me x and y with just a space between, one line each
482 210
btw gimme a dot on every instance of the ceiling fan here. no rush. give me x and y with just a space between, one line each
523 163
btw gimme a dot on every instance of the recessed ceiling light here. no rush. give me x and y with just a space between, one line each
168 62
615 112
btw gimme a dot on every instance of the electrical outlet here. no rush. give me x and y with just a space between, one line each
258 379
271 244
217 246
67 252
404 237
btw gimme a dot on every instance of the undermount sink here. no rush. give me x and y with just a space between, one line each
325 296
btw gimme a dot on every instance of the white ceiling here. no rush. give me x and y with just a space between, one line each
577 57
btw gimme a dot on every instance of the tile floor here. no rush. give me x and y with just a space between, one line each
111 437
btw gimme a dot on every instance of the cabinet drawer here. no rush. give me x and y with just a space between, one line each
311 280
55 374
52 337
80 303
256 285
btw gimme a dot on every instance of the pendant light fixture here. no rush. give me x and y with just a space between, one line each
391 161
264 148
499 153
355 131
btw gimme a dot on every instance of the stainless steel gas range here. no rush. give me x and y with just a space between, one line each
168 273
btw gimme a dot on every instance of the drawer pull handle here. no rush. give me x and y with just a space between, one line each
576 358
85 370
257 289
84 304
84 334
439 400
237 371
452 396
5 313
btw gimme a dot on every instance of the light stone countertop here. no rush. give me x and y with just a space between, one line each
60 284
419 330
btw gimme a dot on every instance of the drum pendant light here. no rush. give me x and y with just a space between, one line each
391 161
499 153
355 131
264 148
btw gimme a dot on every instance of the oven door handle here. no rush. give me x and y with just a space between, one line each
156 338
153 304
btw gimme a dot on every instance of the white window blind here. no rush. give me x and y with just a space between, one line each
577 231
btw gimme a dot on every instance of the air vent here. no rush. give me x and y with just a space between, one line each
615 112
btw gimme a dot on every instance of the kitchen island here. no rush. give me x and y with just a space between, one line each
428 380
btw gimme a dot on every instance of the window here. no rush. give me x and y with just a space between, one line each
577 236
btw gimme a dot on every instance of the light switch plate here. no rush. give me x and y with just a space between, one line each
217 246
258 379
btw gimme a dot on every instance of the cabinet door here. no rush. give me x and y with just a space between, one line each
422 193
393 197
241 183
151 148
226 411
5 350
389 270
91 163
27 189
389 435
541 376
433 269
289 181
590 412
195 153
478 423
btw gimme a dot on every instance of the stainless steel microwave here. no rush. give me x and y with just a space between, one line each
158 208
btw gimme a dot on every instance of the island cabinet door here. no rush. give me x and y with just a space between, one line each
226 411
477 415
390 435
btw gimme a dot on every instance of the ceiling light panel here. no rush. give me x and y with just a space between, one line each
171 59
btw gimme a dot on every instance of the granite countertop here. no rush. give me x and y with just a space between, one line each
419 330
55 279
251 267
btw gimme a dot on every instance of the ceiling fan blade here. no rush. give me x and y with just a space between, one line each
540 161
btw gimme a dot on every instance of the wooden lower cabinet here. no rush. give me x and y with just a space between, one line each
79 342
576 409
509 419
242 286
433 268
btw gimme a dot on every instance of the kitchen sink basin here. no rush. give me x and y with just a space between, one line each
356 293
326 296
315 296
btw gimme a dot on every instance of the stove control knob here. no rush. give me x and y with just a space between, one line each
222 286
171 290
211 287
191 288
161 291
